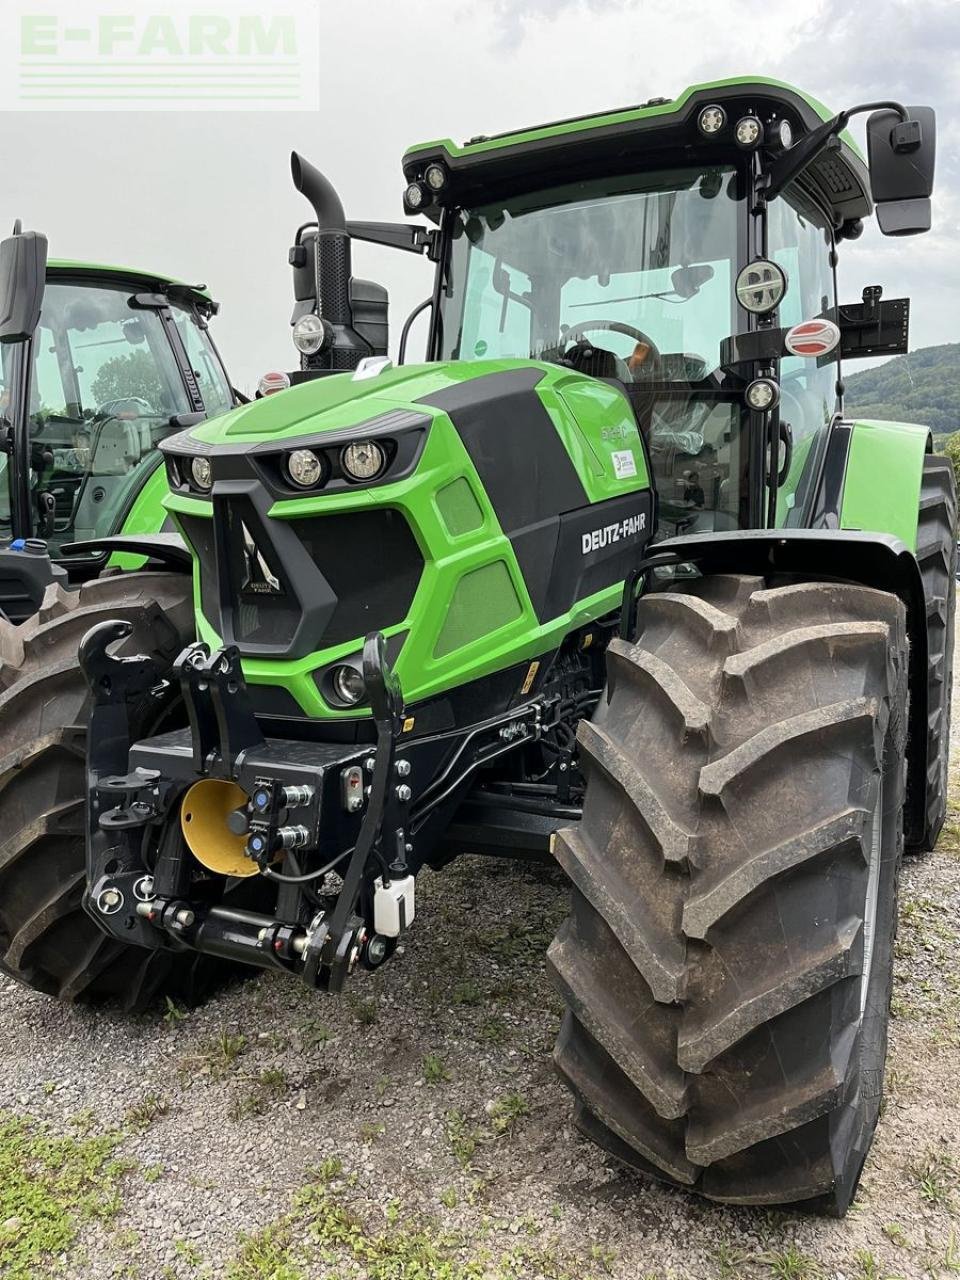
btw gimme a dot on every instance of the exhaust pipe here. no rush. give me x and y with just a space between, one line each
333 242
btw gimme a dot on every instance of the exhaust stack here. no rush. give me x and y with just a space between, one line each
333 268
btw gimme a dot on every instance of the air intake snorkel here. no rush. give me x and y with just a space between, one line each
325 323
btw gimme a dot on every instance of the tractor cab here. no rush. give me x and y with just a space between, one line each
674 249
98 365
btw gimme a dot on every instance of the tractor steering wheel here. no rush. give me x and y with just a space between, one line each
646 367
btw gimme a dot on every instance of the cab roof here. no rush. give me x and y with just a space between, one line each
155 282
658 132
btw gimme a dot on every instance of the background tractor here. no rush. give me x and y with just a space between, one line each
99 363
610 577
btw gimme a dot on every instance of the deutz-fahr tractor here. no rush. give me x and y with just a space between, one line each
99 364
610 578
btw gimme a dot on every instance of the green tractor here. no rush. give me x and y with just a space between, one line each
609 579
99 363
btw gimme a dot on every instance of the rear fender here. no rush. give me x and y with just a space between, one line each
874 560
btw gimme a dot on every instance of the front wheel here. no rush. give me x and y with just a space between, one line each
47 940
727 963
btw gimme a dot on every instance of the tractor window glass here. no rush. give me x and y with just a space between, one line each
798 239
207 369
627 278
105 385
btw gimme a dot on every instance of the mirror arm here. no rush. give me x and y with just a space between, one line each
395 235
793 162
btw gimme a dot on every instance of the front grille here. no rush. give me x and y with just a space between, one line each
287 588
372 563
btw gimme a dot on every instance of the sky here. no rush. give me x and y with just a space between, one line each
208 197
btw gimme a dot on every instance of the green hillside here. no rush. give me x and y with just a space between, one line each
923 387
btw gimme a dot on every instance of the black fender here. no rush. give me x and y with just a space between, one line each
869 559
168 549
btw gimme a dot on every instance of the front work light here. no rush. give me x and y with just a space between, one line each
348 684
415 196
363 460
762 395
435 176
304 468
760 287
711 120
309 334
202 473
748 132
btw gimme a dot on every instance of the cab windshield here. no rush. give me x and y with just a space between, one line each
631 279
105 388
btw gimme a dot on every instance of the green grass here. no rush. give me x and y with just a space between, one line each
936 1177
506 1112
259 1092
791 1264
141 1115
434 1069
49 1185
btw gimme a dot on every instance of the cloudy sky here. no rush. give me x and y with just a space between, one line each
207 196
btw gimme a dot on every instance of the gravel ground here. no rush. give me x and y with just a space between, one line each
413 1129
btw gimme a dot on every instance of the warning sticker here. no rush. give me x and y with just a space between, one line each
624 463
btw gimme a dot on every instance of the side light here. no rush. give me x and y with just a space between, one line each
760 286
271 383
762 395
711 120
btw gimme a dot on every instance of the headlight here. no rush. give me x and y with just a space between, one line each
760 287
309 335
202 473
416 196
304 468
363 460
348 685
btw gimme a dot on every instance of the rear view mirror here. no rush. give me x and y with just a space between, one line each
688 281
902 155
23 273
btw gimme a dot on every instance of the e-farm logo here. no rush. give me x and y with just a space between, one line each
176 56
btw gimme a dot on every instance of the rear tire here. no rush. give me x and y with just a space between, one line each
47 941
937 557
727 963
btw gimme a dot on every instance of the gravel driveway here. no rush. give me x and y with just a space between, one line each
413 1129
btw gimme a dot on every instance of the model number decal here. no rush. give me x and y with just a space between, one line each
628 527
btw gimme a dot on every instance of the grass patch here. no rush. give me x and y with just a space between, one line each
434 1069
259 1093
49 1185
791 1264
141 1115
215 1057
936 1177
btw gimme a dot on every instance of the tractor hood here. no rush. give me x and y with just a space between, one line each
342 400
506 499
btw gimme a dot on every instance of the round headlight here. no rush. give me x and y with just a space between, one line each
435 176
304 468
363 460
202 473
748 132
762 394
309 335
415 196
760 287
711 120
348 684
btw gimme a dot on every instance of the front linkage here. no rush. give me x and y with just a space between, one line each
298 810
